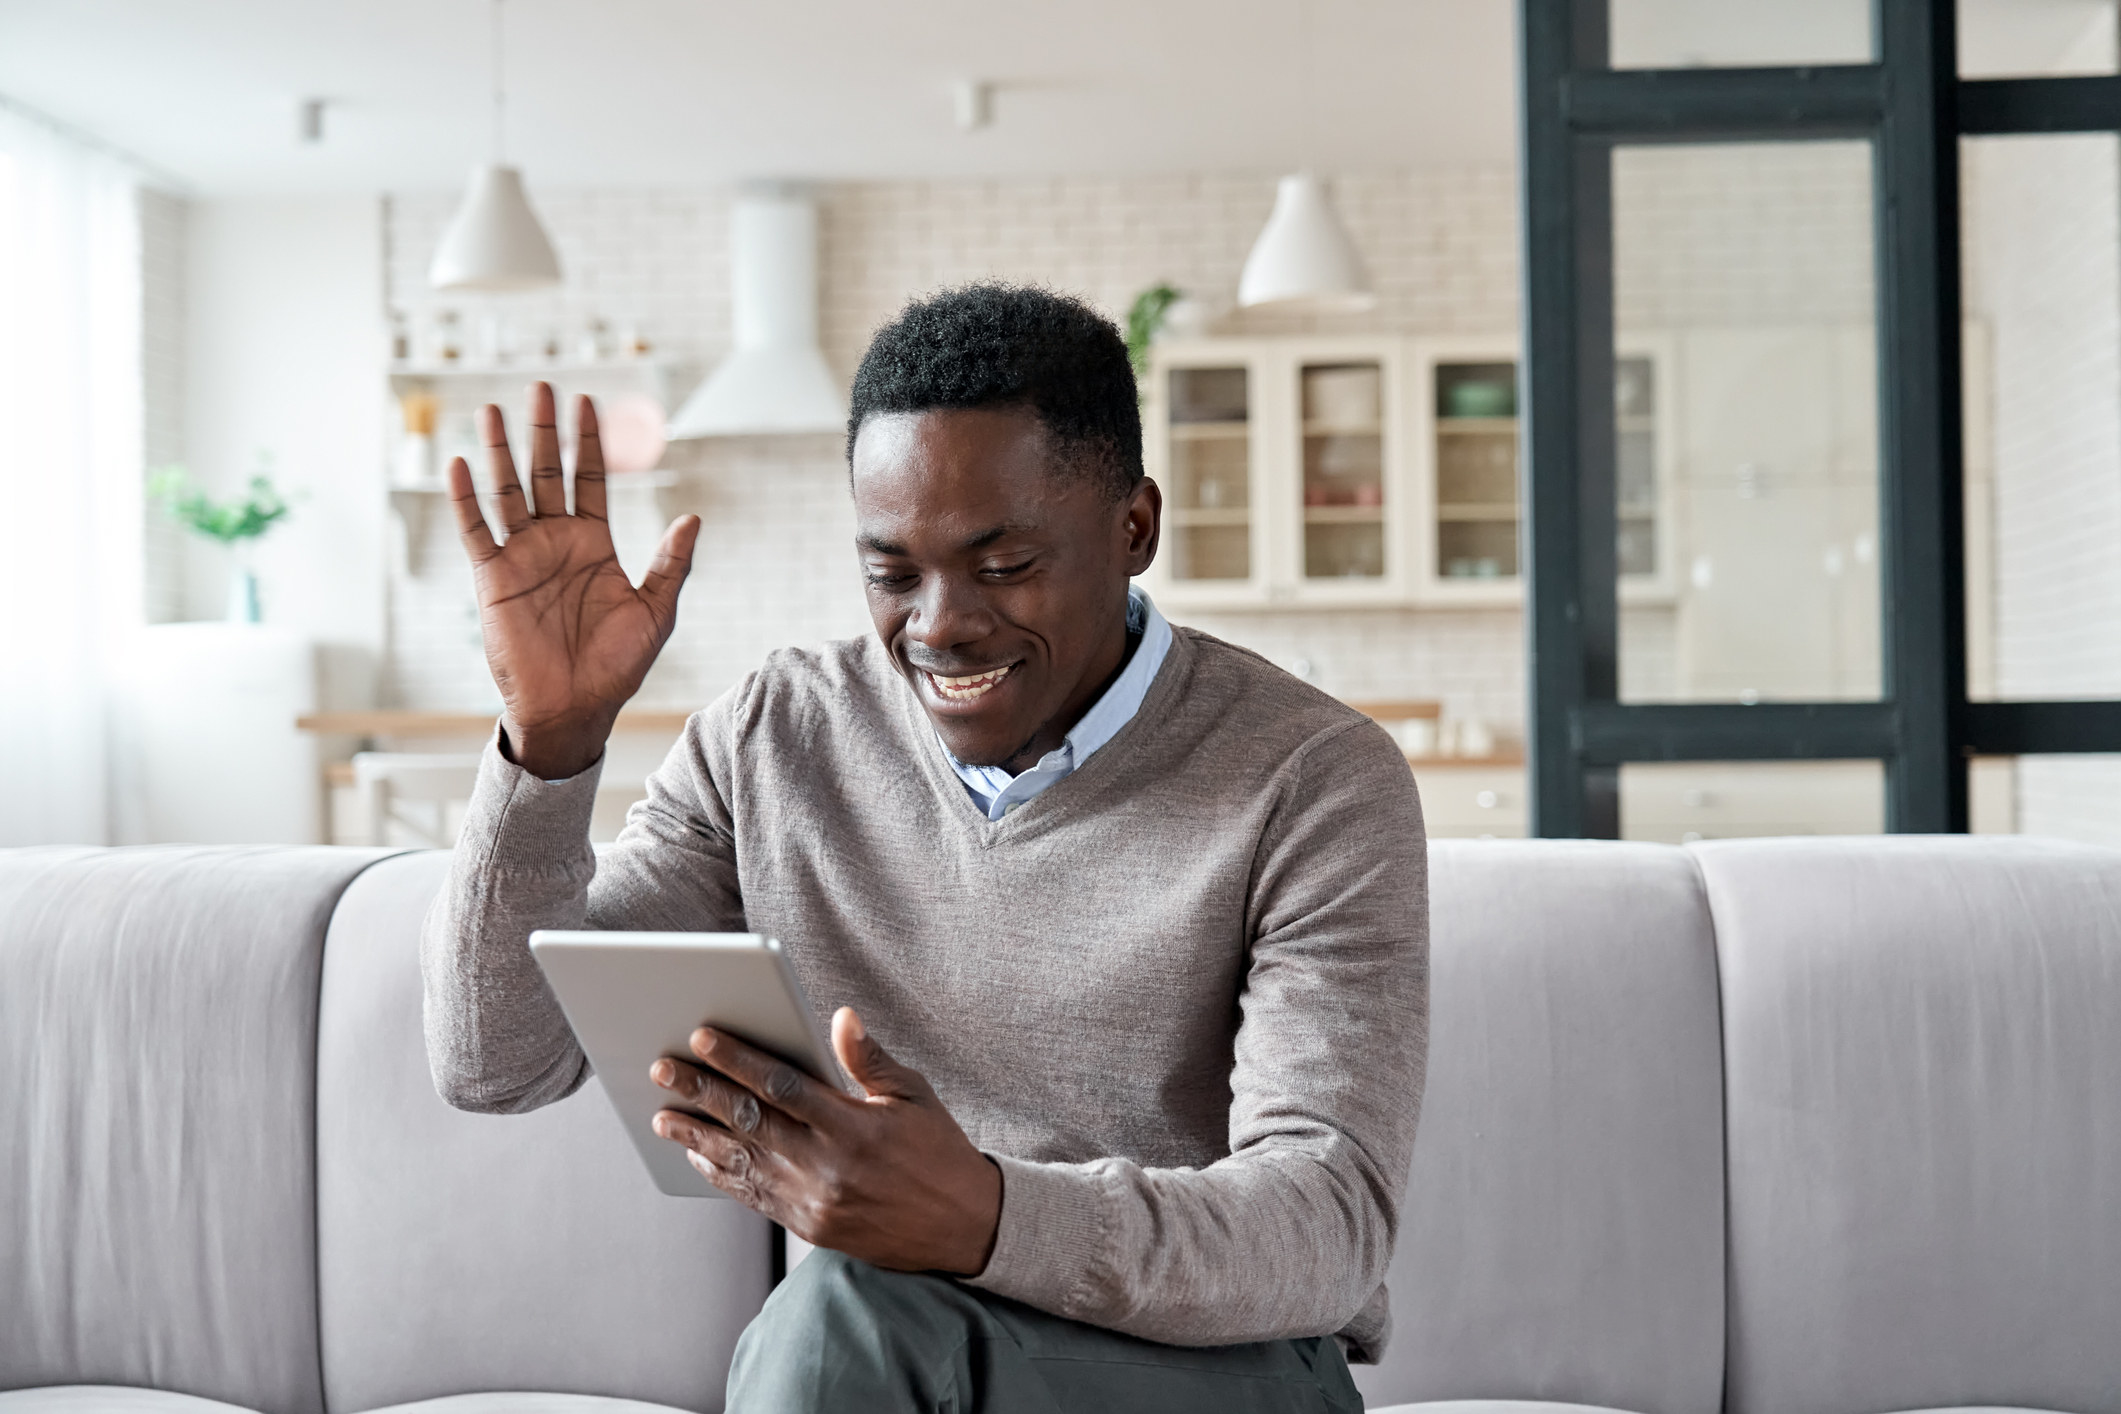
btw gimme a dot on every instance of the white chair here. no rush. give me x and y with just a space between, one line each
388 781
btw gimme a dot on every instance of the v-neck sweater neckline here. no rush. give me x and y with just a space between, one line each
957 802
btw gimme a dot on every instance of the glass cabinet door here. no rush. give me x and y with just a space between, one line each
1476 459
1343 470
1210 515
1476 470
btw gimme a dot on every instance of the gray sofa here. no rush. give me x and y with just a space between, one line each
1778 1127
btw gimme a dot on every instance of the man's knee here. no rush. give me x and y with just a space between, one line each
835 1288
840 1324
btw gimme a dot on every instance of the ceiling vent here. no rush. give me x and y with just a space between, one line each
775 380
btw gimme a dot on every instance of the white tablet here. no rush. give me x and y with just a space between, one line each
635 997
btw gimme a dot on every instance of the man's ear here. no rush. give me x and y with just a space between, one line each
1144 522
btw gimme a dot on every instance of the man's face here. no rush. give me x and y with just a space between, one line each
996 575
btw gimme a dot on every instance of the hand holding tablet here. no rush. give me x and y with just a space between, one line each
715 1063
633 998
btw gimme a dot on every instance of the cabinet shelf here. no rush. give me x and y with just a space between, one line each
527 369
1344 429
1475 426
1208 431
1477 510
1205 515
1344 515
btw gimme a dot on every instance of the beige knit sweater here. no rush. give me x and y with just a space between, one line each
1180 997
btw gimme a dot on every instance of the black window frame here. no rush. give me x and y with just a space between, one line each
1913 107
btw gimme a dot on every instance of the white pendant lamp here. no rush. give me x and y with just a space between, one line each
495 242
1304 257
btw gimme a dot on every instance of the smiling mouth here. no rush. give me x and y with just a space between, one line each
967 689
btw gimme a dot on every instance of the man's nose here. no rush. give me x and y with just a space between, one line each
949 612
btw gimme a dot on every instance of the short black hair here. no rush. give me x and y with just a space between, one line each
993 345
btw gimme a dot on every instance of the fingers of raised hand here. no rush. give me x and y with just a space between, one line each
667 571
767 1077
501 466
588 461
471 521
548 484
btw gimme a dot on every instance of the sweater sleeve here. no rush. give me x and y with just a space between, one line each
1290 1234
497 1041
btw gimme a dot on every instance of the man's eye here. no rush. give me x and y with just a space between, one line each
884 579
1004 571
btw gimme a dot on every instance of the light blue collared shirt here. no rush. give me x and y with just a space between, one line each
997 792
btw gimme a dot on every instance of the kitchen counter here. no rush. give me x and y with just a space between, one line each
389 723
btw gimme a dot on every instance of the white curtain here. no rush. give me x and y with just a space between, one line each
70 479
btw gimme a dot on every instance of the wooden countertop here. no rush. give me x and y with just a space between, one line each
1495 761
397 723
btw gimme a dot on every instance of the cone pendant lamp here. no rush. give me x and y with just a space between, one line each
495 242
1303 256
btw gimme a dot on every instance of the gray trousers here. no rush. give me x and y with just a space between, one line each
843 1337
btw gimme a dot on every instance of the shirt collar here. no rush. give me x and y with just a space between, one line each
997 791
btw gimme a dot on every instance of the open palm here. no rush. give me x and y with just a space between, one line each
568 637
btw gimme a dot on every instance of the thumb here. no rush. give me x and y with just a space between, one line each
867 1064
666 573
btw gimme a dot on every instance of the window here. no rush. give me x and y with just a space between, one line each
1873 531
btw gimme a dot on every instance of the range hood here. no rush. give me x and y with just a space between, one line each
775 380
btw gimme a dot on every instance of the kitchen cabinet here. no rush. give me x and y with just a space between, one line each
1778 508
1472 799
1677 802
1341 473
1284 469
1670 803
1466 467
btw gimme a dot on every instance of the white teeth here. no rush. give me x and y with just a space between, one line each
966 688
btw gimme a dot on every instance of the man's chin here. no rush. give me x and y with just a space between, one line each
975 749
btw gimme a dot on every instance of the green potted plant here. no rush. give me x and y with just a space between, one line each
235 524
1144 318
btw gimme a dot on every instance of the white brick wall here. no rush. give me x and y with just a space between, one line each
2046 232
774 566
1442 248
1794 248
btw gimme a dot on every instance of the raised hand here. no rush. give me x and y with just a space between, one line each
568 636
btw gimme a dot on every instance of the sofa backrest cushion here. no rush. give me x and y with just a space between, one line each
1562 1237
1923 1053
157 1039
461 1252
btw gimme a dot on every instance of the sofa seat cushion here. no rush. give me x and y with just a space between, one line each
1492 1406
108 1399
506 1402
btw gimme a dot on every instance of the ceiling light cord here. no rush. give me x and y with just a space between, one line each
500 88
1307 90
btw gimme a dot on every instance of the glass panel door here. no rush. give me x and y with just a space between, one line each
1210 516
1343 470
1758 259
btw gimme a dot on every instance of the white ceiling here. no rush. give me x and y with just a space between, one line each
623 92
682 92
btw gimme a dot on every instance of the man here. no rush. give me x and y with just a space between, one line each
1126 929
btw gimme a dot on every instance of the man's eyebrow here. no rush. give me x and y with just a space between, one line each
876 544
987 537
